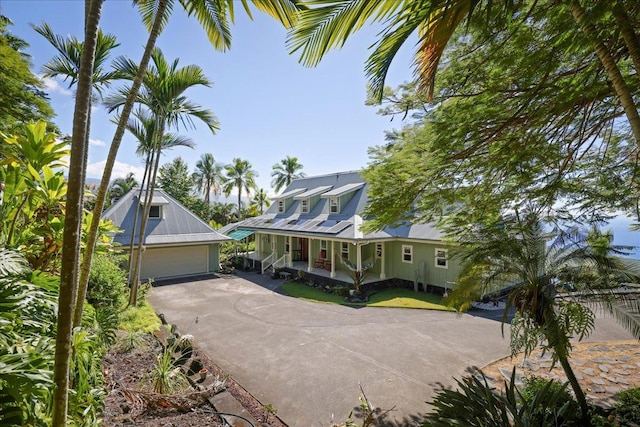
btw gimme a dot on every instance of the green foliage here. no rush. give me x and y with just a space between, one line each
142 318
167 377
549 401
474 403
107 283
27 319
286 171
239 176
174 178
22 96
627 408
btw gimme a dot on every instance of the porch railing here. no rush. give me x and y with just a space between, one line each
268 262
283 261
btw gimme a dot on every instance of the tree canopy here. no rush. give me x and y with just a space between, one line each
522 114
22 98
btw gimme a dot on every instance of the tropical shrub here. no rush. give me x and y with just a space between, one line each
27 319
628 407
475 403
107 283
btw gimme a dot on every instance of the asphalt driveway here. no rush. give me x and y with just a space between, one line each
307 360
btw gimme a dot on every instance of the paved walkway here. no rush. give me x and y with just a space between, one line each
307 360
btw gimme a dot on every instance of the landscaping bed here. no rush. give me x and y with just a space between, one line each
131 401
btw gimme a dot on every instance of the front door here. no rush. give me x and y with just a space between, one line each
300 251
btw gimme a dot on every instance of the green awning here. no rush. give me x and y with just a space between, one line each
240 234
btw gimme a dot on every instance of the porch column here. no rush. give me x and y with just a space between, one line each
258 237
310 258
359 256
333 259
382 274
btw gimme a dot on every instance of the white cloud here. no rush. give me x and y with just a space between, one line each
97 142
120 170
54 87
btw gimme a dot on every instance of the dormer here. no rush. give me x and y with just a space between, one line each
284 200
339 197
156 210
309 198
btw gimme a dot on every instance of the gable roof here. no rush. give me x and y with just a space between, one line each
178 225
344 225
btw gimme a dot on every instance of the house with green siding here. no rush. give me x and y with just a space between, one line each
314 225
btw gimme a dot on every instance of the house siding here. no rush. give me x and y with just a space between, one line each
424 254
214 257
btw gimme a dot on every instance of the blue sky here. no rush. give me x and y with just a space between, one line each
269 106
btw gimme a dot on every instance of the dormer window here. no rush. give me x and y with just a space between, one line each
280 206
304 205
155 212
334 205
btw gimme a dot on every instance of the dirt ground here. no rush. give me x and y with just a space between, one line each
130 401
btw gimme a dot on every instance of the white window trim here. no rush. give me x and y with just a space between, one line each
337 204
280 206
323 245
304 205
343 254
410 253
446 258
160 212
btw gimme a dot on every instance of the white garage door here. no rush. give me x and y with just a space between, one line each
178 261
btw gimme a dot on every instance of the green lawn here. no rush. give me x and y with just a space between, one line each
402 298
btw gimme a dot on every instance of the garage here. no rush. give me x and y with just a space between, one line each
174 261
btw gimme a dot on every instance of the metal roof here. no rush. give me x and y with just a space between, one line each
289 193
177 226
340 191
312 192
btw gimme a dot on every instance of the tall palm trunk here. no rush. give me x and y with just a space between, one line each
133 296
628 34
239 200
557 339
132 241
85 267
609 64
73 217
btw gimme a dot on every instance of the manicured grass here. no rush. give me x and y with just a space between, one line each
395 297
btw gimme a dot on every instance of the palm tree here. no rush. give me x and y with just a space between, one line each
214 18
222 213
239 175
163 94
515 250
261 200
122 186
73 216
285 172
208 175
329 24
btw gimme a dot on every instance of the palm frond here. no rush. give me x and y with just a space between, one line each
214 17
12 264
148 10
327 24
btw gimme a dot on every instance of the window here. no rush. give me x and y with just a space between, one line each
323 244
280 206
378 250
155 211
287 244
345 250
334 205
442 260
305 205
407 253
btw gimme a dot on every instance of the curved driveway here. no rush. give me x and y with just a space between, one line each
308 359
